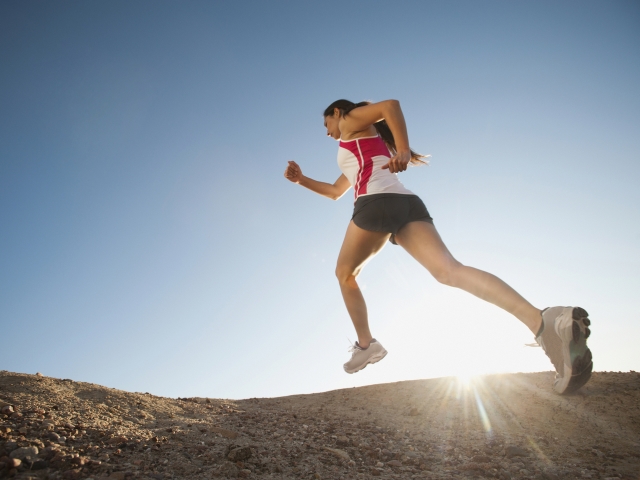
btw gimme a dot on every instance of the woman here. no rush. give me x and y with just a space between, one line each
374 147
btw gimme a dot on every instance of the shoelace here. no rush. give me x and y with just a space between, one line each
354 347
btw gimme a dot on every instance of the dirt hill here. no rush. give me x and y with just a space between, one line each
500 426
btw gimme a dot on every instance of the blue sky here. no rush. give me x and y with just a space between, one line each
149 242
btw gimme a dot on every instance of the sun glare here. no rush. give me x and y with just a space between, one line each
465 380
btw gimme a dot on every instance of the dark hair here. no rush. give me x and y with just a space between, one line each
345 106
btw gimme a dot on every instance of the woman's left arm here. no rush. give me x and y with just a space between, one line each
361 118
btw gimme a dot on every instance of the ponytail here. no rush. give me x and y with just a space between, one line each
345 106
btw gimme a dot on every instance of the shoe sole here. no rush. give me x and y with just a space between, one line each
370 361
575 332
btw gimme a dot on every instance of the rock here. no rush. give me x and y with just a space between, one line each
228 469
40 465
225 433
239 454
414 412
338 453
117 476
342 440
7 409
38 374
379 464
73 474
24 452
49 452
80 461
480 459
394 463
53 436
10 446
14 463
118 440
244 473
58 458
512 452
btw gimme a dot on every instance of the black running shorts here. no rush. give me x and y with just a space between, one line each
389 212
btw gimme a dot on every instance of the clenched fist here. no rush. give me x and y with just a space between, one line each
293 172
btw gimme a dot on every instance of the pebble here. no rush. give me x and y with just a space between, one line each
73 474
40 464
10 446
239 454
24 452
225 433
512 451
338 453
480 459
228 469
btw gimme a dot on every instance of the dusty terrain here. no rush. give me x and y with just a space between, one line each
501 426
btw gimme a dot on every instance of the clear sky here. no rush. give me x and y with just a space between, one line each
148 239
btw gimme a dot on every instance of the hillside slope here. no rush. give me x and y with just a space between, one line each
500 426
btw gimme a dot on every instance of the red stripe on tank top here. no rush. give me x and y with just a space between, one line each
353 148
366 171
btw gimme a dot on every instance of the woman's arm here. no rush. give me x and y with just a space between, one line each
293 173
361 118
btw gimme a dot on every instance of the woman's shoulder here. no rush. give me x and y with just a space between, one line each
347 134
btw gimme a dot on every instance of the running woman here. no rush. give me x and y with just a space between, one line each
373 148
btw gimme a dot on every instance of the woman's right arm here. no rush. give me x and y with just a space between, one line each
293 173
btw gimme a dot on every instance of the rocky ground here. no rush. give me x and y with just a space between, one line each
501 426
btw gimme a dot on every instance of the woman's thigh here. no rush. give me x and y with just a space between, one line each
358 247
422 241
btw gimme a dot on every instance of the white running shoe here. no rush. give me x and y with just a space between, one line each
361 357
564 340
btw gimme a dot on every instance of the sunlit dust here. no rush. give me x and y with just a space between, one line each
468 384
482 412
465 380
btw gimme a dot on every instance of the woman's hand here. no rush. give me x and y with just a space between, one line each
398 163
293 172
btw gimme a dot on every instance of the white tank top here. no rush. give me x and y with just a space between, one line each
360 160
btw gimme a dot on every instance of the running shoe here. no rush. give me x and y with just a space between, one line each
361 357
564 339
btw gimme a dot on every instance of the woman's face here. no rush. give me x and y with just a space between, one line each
331 123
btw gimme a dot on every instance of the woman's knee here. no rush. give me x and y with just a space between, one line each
345 275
